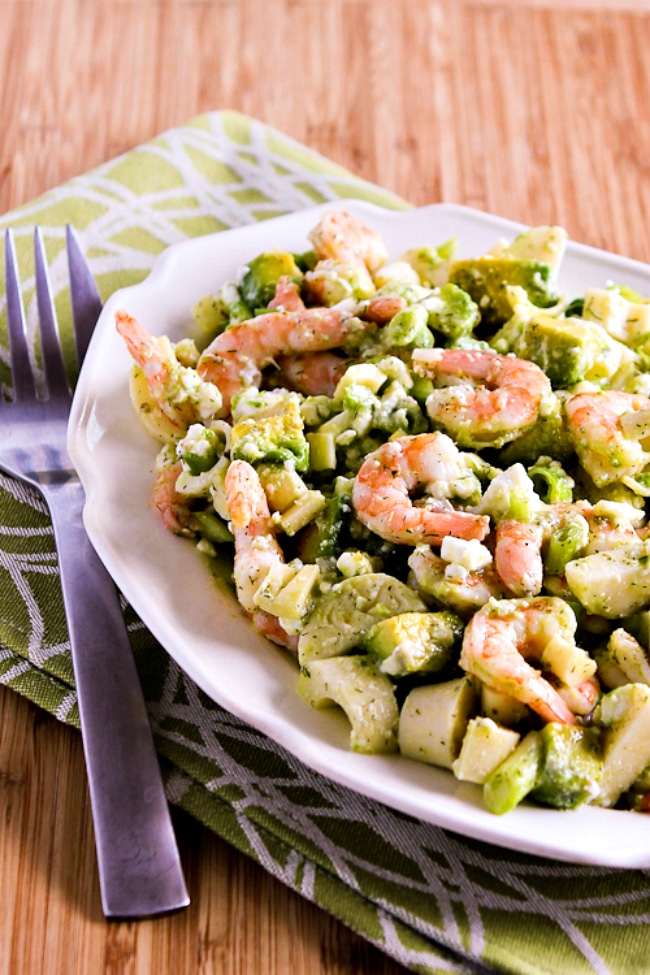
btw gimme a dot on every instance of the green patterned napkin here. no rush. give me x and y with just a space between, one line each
431 900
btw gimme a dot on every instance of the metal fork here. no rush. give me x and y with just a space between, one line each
139 867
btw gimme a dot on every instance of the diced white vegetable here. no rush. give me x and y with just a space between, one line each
434 719
484 747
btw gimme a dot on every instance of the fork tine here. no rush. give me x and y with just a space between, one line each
53 363
86 302
21 369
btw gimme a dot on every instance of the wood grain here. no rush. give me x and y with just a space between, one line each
527 111
532 109
240 920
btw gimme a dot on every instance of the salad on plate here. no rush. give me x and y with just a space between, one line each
431 474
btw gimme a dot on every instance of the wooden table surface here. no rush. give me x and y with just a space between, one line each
533 110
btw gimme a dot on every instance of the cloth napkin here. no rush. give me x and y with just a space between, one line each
432 900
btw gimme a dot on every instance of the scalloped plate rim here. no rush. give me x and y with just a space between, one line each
105 440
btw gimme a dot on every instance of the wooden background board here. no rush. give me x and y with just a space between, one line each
533 110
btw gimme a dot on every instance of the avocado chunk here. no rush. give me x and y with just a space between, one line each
230 307
571 766
486 280
432 263
275 438
211 315
259 282
544 243
462 596
306 261
212 527
366 695
639 627
408 329
548 436
343 616
515 777
412 643
568 350
452 312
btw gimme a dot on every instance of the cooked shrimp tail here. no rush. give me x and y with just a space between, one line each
287 296
172 506
271 627
382 308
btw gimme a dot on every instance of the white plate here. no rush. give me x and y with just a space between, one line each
200 624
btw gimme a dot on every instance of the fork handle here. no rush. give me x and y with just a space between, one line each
139 867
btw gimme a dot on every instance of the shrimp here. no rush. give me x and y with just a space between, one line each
313 373
487 399
340 237
388 476
287 296
257 550
504 635
608 429
172 506
234 360
180 394
518 556
382 308
271 627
